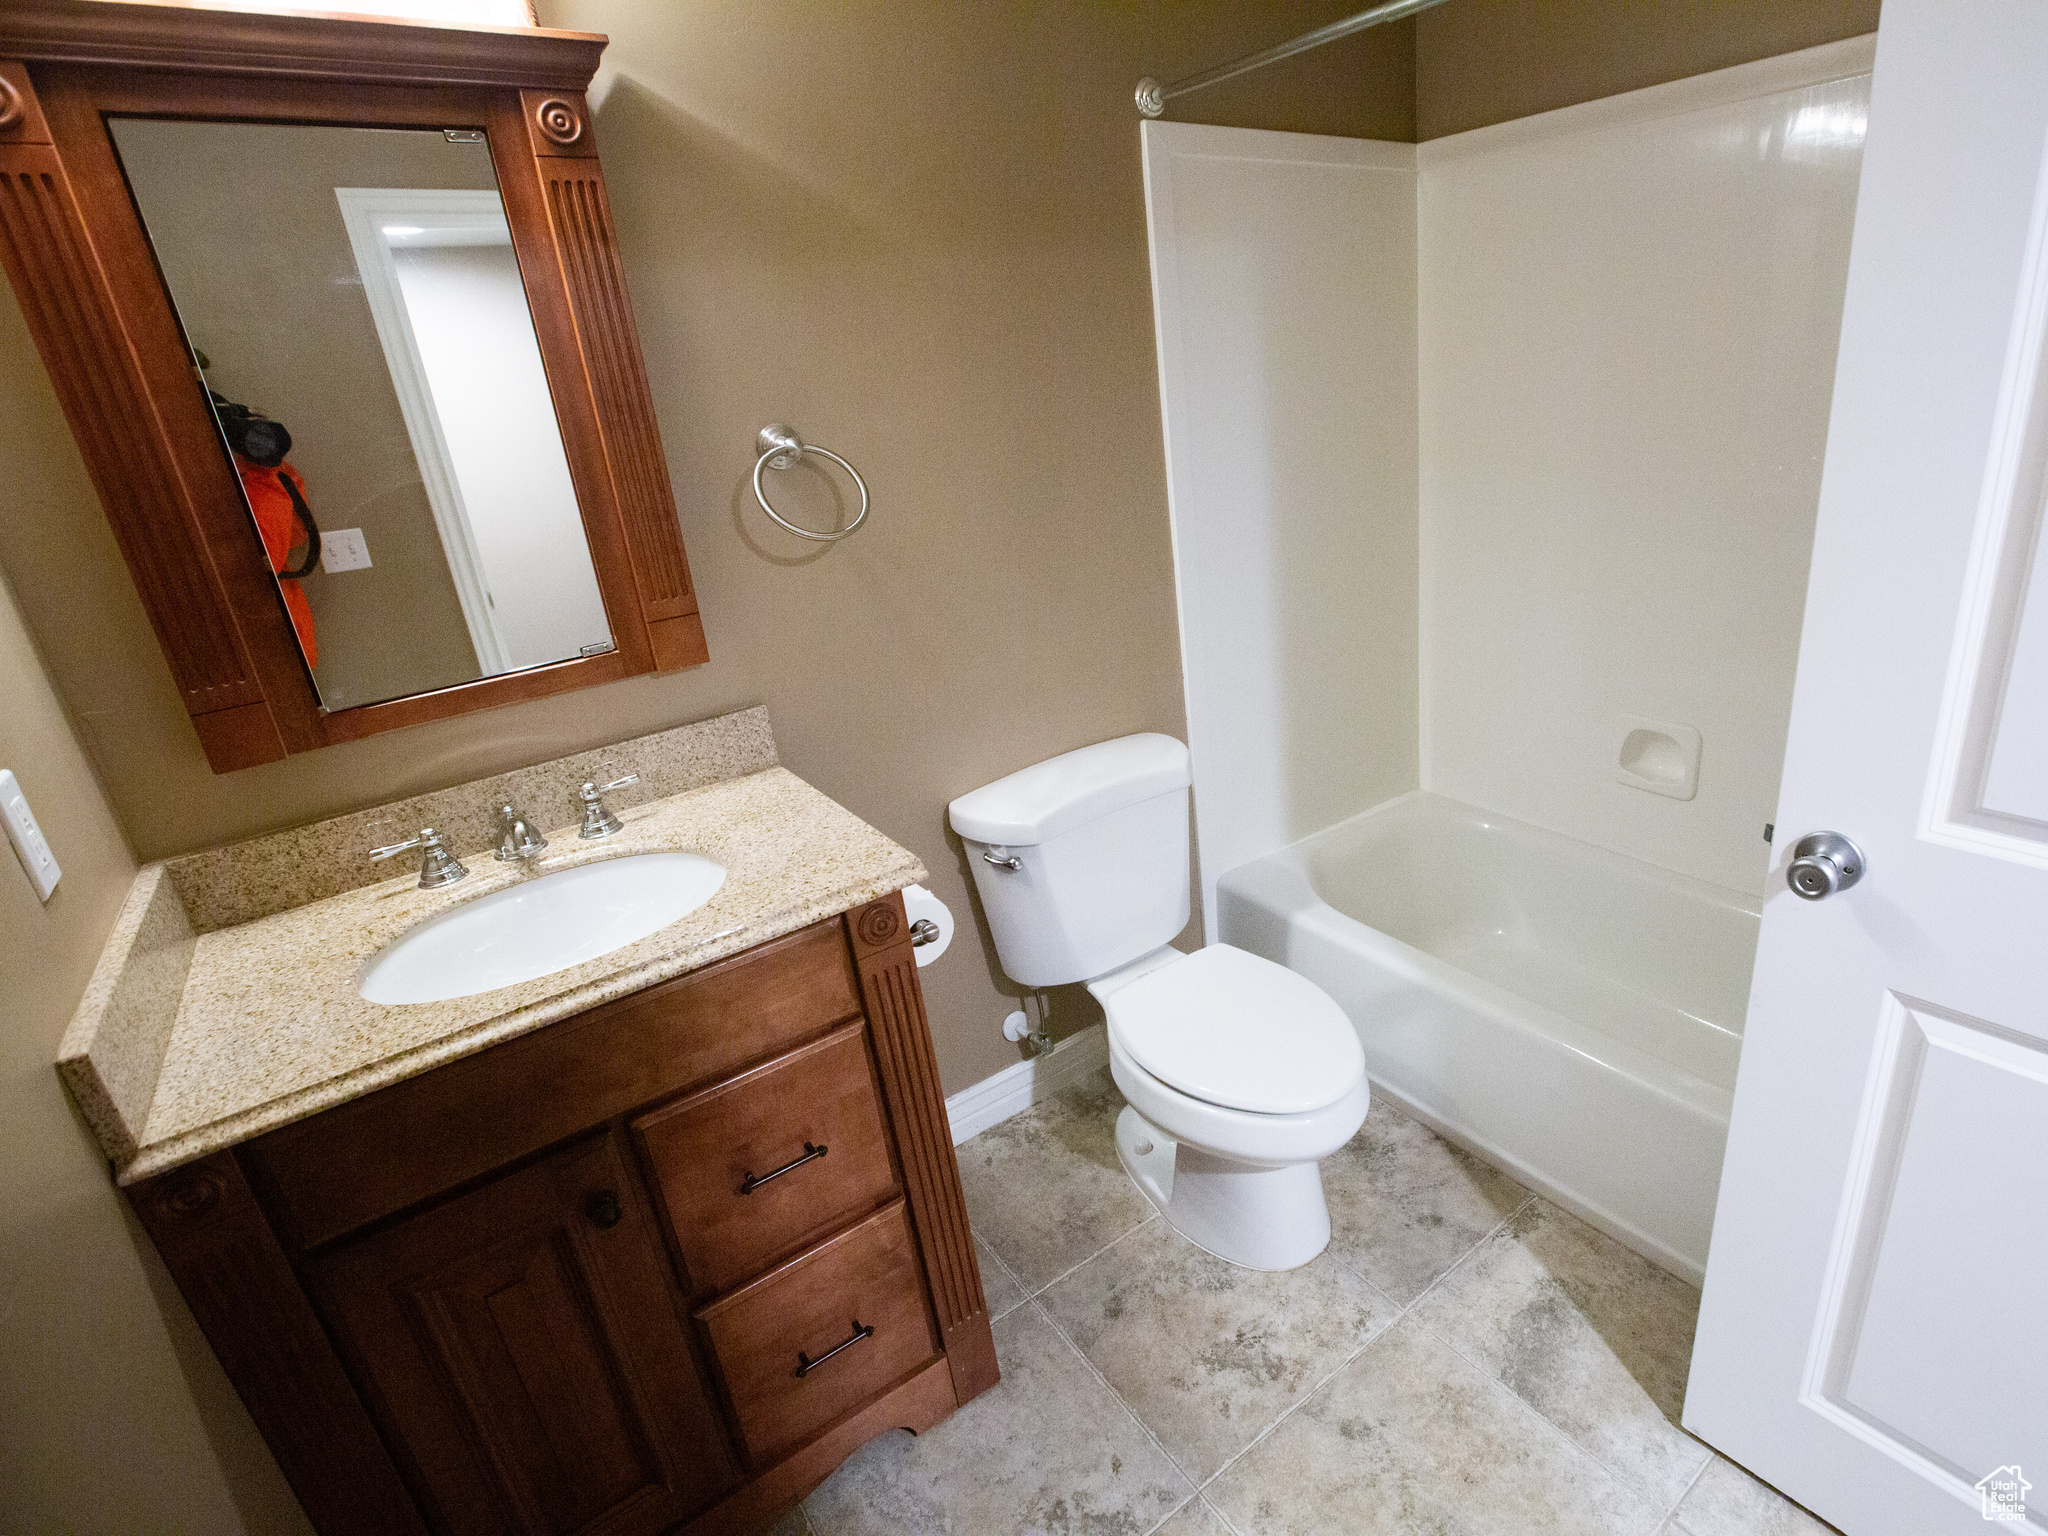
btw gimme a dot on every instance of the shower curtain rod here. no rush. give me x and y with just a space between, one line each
1153 97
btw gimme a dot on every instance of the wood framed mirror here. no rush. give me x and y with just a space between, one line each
336 314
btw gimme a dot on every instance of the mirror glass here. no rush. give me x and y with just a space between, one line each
355 311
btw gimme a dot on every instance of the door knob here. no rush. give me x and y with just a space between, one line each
1822 864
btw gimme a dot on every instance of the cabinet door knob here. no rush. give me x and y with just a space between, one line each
604 1209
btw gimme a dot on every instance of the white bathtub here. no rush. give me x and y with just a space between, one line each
1571 1015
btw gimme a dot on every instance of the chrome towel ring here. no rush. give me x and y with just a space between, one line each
780 447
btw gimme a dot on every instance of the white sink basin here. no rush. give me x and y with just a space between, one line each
539 926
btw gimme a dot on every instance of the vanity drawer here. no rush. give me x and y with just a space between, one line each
794 1318
765 1163
328 1175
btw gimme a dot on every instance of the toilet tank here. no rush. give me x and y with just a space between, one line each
1100 840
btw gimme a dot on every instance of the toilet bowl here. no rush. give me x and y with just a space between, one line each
1239 1077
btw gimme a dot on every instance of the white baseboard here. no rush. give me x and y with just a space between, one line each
1015 1089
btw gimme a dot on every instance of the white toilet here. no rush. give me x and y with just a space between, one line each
1240 1075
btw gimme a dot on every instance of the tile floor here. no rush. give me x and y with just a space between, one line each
1464 1357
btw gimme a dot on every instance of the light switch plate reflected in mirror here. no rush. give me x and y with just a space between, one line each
343 549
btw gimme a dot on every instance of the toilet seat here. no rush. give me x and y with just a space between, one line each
1261 1141
1231 1029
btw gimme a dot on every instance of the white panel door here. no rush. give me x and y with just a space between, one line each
1873 1336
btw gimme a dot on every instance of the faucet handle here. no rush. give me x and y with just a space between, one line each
438 866
598 821
417 841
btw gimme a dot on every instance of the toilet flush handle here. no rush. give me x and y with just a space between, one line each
1002 858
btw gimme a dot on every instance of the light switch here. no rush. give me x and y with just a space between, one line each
27 837
343 549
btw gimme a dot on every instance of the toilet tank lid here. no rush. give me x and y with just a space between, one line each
1037 804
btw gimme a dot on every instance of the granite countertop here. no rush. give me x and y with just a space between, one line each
189 1041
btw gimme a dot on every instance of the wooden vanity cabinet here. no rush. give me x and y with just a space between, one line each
658 1267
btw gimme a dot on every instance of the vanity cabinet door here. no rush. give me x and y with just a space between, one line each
522 1346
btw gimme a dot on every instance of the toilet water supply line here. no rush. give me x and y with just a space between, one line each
1019 1026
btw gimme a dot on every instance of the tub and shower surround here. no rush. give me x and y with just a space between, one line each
1618 369
1629 313
1572 1015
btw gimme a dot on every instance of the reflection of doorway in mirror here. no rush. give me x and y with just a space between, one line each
444 290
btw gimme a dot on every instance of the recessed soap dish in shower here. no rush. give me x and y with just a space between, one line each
1659 757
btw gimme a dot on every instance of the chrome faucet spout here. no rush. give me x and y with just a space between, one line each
518 838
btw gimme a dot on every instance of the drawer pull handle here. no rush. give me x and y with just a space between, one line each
753 1183
604 1209
805 1364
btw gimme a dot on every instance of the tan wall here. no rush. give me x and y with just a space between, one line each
939 271
114 1415
915 232
1485 61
